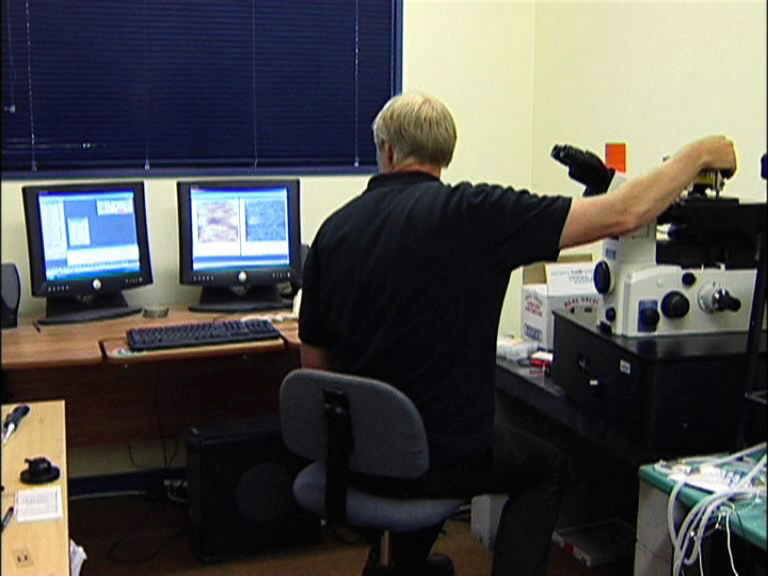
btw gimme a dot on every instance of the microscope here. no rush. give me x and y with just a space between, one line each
697 278
665 361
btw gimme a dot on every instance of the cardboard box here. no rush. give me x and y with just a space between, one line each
566 285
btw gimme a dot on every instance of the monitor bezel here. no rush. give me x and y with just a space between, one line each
85 287
256 276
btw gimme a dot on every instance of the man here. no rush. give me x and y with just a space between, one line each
405 284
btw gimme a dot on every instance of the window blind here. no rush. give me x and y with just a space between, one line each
182 84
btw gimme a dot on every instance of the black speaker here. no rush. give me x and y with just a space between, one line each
240 481
11 295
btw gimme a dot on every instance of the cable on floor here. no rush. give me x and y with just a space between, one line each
116 554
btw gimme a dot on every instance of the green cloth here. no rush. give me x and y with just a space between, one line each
749 521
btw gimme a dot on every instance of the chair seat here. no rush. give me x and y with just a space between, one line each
368 510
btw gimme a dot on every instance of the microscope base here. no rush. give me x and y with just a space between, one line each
677 395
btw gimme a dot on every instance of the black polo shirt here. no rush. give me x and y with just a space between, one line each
405 283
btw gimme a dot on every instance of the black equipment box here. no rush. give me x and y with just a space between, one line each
240 479
676 395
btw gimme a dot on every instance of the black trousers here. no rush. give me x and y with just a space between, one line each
530 471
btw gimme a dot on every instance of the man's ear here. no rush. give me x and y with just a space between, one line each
389 155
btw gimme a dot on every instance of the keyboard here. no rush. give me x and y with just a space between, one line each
200 334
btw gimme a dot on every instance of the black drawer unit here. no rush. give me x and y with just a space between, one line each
677 395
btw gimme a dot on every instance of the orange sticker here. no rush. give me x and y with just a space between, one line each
616 156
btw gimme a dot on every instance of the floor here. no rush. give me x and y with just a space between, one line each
137 535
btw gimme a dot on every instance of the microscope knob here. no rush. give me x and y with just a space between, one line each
649 317
675 305
610 314
732 303
602 277
713 298
722 300
689 278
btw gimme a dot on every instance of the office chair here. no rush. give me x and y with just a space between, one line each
353 424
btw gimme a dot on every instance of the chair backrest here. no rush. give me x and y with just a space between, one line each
388 436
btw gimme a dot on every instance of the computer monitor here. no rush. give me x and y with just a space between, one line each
87 243
240 241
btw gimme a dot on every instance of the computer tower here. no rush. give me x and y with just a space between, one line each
240 478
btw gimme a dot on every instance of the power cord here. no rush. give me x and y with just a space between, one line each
159 417
177 491
708 514
113 554
129 550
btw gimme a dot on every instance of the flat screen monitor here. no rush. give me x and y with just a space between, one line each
87 243
240 241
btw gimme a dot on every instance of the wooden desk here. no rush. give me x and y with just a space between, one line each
36 548
29 347
25 348
113 399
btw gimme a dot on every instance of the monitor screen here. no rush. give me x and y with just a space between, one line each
87 243
240 241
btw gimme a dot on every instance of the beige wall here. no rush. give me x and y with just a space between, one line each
653 75
520 77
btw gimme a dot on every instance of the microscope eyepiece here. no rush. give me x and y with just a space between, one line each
571 156
562 153
585 167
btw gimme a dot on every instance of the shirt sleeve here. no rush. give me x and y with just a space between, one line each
512 227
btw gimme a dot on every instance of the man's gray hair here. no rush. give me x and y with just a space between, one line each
419 128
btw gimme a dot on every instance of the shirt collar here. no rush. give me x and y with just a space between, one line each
388 179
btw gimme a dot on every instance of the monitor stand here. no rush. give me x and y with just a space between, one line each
76 309
240 299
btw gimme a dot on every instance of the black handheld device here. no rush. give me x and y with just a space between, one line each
13 419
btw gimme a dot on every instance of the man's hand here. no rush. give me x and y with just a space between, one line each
714 153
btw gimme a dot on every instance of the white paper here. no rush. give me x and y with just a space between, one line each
39 504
